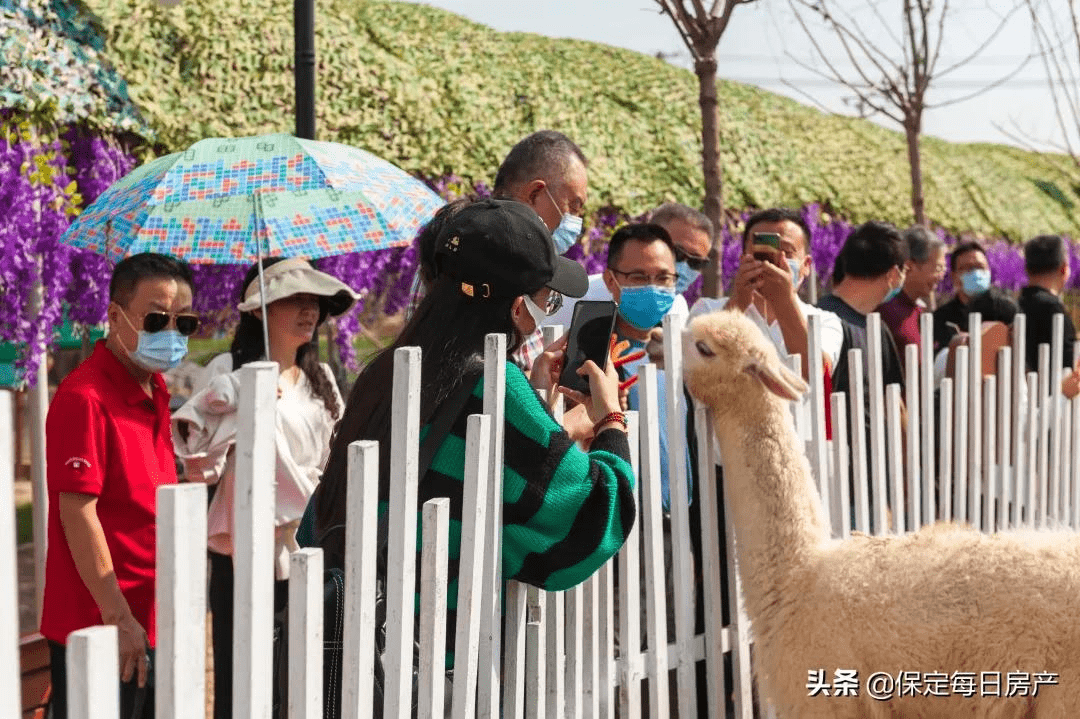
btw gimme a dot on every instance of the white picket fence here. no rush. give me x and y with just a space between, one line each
1004 455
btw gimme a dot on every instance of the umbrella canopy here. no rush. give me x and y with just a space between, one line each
233 200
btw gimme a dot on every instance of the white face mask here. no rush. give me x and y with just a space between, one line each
535 311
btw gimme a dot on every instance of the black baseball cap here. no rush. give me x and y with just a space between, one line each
501 248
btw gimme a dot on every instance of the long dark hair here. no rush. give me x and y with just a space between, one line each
247 345
449 328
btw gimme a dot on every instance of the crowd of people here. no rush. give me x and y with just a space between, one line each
486 265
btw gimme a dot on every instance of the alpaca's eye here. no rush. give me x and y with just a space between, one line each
704 349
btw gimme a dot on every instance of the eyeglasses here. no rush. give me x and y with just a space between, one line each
640 279
186 324
697 264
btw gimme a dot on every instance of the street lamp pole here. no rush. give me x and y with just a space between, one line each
304 40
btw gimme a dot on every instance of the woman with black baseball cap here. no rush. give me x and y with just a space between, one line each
565 511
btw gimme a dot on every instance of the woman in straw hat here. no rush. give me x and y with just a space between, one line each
298 299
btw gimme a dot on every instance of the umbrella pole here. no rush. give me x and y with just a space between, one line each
262 300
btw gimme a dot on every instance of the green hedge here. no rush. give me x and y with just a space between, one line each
436 93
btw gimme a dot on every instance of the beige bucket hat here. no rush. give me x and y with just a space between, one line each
295 276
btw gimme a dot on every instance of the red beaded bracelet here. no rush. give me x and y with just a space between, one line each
619 417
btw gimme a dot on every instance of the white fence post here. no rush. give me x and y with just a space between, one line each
1074 409
401 541
1019 381
10 688
1032 449
878 467
652 529
973 440
895 449
306 634
535 664
819 448
361 546
961 412
180 674
1043 440
683 569
915 414
945 443
490 607
630 586
857 413
926 384
987 495
1005 425
841 513
253 541
470 615
433 582
93 673
1054 398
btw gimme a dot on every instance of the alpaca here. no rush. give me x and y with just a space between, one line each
942 600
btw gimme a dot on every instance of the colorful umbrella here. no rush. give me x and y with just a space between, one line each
236 200
233 200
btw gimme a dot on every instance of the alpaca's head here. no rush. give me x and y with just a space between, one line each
731 366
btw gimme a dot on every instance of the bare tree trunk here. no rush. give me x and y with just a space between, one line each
710 155
911 130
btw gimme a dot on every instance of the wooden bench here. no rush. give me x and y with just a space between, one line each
36 678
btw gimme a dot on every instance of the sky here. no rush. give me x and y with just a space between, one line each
764 45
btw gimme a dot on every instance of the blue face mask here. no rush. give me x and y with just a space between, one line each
975 282
568 231
644 307
892 293
157 351
685 277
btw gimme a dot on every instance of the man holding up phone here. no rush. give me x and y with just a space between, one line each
774 264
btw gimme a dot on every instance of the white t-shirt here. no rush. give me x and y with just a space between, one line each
597 291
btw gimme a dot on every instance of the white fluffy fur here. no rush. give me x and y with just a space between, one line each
944 599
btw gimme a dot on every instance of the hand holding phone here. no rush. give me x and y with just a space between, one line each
589 339
766 247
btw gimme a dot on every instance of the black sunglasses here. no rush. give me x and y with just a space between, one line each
157 321
697 264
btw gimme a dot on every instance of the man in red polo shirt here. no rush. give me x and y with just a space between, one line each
108 449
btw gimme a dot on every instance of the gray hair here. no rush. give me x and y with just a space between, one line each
921 242
673 211
544 154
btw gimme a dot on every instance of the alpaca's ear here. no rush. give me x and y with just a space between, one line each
778 379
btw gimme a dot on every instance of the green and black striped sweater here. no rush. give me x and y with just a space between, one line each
565 511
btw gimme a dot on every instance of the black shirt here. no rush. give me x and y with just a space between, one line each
1039 305
855 338
993 305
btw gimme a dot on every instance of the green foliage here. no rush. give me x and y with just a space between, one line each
436 94
53 68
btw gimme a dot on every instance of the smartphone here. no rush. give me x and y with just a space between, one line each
766 247
589 339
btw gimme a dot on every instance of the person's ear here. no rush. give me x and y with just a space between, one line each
520 316
533 190
612 286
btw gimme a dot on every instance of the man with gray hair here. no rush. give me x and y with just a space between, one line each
547 172
925 268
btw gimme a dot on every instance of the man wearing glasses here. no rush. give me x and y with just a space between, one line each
108 449
691 237
641 278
